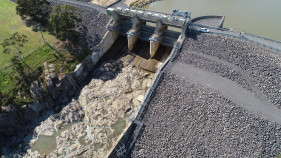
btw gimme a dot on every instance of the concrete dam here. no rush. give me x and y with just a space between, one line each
144 35
194 61
160 87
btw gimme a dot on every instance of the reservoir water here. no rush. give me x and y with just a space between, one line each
260 17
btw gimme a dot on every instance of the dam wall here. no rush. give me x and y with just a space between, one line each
126 142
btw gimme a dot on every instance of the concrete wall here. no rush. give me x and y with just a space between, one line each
82 69
123 141
107 41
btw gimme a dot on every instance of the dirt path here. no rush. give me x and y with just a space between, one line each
230 90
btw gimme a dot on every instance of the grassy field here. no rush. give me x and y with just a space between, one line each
36 62
10 23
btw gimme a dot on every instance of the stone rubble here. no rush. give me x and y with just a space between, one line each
262 65
110 101
93 25
185 119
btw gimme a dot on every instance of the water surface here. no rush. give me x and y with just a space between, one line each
47 144
260 17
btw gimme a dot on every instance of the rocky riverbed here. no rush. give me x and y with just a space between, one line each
105 106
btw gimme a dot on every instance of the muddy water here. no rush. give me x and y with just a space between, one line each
260 17
47 144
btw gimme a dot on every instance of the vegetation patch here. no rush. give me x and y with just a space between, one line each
11 23
35 61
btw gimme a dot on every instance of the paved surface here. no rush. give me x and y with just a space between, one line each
249 80
120 4
84 4
212 22
101 9
230 90
272 44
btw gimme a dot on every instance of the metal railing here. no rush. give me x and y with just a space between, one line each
225 30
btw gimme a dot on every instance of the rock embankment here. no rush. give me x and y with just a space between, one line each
185 119
103 2
93 25
253 67
139 3
105 105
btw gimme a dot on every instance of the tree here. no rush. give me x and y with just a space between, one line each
14 43
23 77
63 21
37 10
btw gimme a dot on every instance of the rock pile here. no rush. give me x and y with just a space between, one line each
261 65
106 105
184 119
93 25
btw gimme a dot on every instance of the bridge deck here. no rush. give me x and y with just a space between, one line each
139 56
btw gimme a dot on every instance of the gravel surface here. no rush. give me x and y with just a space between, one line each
262 65
215 67
93 25
184 119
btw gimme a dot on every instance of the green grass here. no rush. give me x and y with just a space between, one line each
10 23
36 62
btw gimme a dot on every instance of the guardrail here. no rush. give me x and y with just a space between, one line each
151 11
247 39
238 36
110 5
262 37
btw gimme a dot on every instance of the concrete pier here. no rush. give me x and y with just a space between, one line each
132 22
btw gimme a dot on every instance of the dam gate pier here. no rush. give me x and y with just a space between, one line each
150 36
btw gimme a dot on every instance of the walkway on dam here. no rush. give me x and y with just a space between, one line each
100 9
272 44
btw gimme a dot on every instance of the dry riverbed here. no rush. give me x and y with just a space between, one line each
105 106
